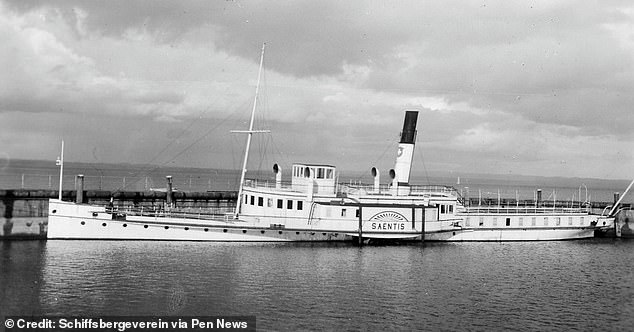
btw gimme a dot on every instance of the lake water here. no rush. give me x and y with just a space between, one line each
533 286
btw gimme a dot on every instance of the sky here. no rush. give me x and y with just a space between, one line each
502 87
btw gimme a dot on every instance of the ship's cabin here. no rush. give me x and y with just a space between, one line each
322 178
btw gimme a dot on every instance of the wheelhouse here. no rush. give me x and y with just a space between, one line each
322 178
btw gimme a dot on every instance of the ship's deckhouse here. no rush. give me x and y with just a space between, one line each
322 178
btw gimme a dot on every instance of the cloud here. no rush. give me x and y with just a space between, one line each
488 77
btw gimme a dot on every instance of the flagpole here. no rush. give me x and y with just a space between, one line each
61 171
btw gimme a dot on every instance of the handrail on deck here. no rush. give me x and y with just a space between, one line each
523 209
215 214
347 188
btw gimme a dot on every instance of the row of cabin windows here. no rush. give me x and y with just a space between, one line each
269 202
444 208
520 221
321 172
299 205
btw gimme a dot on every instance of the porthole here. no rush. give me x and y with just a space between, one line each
281 232
54 211
323 233
224 230
95 214
454 233
144 226
167 227
125 225
312 233
297 233
244 231
262 232
336 234
206 229
83 222
186 228
104 224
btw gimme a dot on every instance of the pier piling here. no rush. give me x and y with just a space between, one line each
422 226
168 193
79 198
360 226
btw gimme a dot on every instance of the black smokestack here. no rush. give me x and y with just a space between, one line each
409 127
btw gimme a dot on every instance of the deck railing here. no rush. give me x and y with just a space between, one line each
358 188
525 209
217 214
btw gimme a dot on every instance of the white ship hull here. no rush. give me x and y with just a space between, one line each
69 220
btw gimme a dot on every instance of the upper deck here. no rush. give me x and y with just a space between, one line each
337 189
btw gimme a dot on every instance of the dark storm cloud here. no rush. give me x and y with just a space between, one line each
531 81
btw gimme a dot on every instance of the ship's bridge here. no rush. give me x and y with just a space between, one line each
321 177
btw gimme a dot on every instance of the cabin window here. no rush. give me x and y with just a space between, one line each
301 172
450 208
533 221
466 221
495 221
508 222
581 221
545 221
252 200
246 199
269 202
356 213
558 221
329 173
343 212
521 221
569 221
260 201
320 173
481 223
300 205
289 204
442 208
280 204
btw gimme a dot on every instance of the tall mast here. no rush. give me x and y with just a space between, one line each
249 135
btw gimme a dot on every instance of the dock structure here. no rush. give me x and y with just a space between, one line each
24 212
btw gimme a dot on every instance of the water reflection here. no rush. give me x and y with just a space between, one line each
474 286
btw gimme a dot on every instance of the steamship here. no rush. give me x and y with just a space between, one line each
315 206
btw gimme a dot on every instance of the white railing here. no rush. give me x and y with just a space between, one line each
525 210
357 188
216 214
